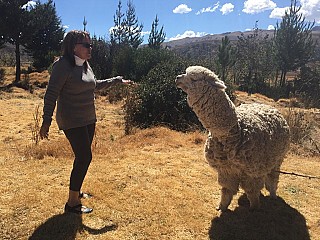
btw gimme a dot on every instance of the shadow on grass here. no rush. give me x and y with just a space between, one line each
276 220
66 227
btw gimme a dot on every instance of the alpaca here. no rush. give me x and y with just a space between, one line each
246 145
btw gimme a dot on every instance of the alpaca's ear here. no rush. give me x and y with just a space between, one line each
219 84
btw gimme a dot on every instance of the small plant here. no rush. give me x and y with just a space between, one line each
35 128
300 127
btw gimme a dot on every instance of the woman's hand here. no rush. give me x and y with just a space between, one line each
44 130
118 79
127 81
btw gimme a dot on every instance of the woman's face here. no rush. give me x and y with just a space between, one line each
83 49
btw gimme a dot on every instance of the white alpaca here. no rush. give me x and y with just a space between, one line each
246 144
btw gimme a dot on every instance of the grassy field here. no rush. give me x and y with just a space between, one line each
152 184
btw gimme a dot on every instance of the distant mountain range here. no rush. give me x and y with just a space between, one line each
205 46
208 45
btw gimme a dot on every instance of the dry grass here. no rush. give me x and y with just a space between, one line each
154 184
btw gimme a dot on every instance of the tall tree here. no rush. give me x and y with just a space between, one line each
126 29
225 58
117 34
156 37
254 61
132 26
44 40
13 27
293 41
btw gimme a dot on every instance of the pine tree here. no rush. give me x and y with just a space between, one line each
293 41
117 35
254 62
225 58
156 37
44 41
126 30
132 27
13 27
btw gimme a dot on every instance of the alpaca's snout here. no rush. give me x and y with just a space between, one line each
179 79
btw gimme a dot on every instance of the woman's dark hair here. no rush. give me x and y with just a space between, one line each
69 42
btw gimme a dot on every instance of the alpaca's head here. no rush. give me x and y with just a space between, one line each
208 99
197 76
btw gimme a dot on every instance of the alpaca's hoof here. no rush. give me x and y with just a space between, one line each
221 208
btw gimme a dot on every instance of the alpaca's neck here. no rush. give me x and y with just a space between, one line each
215 110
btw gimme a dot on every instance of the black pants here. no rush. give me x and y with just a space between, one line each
80 139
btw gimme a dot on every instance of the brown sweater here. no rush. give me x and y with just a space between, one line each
73 90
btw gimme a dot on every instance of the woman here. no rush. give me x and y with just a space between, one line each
71 85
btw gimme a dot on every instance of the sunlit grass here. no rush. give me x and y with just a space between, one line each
152 184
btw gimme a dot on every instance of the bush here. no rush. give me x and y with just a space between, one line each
100 58
7 59
300 127
307 86
115 93
157 101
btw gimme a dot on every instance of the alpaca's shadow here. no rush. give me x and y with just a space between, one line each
66 227
276 220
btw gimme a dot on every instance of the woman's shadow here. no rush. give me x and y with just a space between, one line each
276 220
65 227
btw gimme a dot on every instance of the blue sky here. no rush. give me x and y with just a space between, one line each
182 18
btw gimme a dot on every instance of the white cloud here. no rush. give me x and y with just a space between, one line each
29 5
257 6
278 12
227 8
111 29
271 27
188 33
182 8
143 33
311 10
209 9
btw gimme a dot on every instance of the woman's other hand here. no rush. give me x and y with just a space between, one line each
124 81
44 131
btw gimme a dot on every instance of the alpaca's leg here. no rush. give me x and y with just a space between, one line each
230 185
226 197
252 188
272 180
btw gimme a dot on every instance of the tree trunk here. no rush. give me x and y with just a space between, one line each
18 69
283 78
276 78
223 74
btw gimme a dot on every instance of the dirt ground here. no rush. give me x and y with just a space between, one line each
153 184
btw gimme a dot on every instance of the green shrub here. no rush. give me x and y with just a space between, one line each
157 101
147 58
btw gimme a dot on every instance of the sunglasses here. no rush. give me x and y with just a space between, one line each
86 45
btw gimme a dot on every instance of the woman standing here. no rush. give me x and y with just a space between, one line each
71 86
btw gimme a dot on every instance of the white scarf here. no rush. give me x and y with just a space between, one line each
79 61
